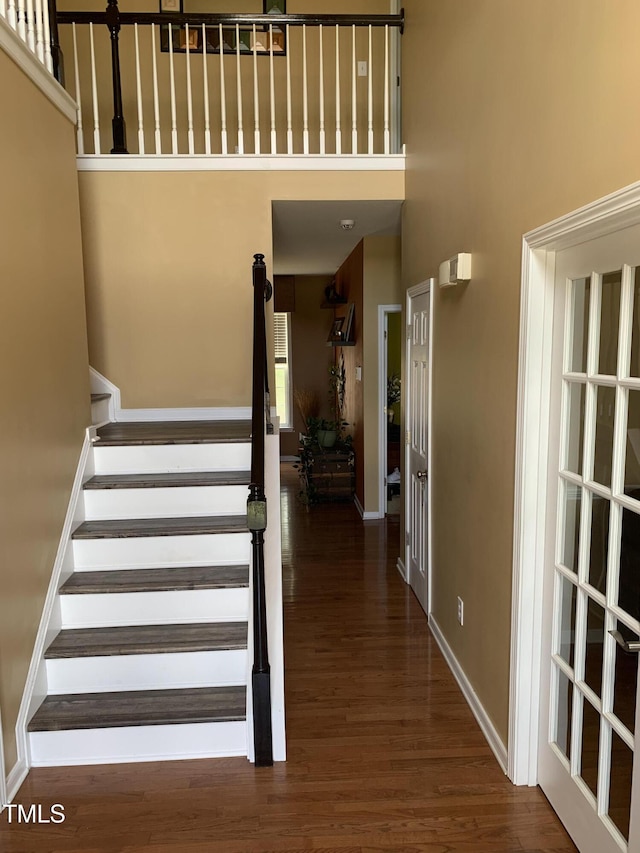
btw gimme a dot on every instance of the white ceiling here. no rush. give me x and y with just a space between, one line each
308 239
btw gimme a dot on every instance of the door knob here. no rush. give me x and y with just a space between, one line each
421 475
625 645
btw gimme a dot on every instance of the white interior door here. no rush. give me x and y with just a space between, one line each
589 708
417 494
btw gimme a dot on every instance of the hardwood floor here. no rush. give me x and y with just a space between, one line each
384 754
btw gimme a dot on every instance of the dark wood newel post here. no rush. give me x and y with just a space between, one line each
117 124
56 53
257 523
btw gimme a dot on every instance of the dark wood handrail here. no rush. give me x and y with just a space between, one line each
257 522
211 19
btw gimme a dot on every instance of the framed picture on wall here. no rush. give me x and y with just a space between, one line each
274 7
171 6
336 330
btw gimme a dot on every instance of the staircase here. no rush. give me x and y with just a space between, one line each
151 661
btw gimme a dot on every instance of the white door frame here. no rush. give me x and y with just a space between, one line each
427 286
3 777
383 311
611 213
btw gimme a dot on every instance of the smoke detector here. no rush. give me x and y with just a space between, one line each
347 224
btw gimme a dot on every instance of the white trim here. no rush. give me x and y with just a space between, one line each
383 422
3 778
239 413
477 708
366 516
15 779
427 286
400 567
613 212
241 163
101 385
35 686
28 62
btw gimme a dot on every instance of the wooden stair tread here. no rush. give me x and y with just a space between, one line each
140 708
130 527
174 432
147 639
176 578
97 398
163 481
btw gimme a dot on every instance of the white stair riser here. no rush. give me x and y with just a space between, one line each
147 672
100 411
97 610
165 503
138 743
215 549
171 458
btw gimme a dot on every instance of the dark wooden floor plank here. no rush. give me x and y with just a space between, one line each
139 708
174 432
175 578
384 753
147 639
168 481
130 527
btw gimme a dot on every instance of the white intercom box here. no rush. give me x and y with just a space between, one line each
455 270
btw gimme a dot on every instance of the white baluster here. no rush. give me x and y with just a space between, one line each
139 92
322 134
46 37
39 29
256 97
239 91
370 95
272 95
289 123
79 128
338 121
354 105
205 89
305 94
22 26
3 8
387 134
190 138
12 17
94 95
172 82
156 99
223 96
31 30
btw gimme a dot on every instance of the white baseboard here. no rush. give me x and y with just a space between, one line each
101 385
484 721
366 516
30 696
223 413
15 780
401 568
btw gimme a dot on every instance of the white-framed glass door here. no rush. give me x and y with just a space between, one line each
589 681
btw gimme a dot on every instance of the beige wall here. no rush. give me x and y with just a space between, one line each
168 273
382 286
515 113
44 374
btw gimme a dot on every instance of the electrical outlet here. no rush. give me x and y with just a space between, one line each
362 69
460 611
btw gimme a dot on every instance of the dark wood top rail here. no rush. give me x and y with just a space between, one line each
199 18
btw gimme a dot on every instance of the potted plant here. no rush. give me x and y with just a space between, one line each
393 394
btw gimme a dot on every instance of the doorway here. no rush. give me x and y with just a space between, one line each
578 524
389 386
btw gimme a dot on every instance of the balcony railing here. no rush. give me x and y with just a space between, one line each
34 22
233 84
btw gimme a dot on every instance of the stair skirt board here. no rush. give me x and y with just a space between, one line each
161 551
161 459
121 745
94 610
161 503
104 674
